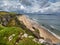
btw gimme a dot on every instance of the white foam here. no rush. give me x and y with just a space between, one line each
52 26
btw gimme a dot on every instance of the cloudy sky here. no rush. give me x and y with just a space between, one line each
31 6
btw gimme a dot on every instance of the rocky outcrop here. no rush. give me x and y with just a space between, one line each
5 17
8 19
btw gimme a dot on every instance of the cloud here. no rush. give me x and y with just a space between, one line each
9 5
34 6
42 7
30 6
54 7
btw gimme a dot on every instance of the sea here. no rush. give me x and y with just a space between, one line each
49 21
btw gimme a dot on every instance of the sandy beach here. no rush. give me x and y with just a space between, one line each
47 35
43 32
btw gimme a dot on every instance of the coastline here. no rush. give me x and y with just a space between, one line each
51 32
48 35
44 32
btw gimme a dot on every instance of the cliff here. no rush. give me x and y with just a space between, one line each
15 32
25 29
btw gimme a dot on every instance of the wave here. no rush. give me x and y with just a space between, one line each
52 26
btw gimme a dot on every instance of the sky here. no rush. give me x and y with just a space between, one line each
30 6
52 1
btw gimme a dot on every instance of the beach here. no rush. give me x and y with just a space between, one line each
42 30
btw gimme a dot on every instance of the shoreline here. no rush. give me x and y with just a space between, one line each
42 30
33 21
47 34
55 39
51 32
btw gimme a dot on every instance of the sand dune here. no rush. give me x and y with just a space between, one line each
43 32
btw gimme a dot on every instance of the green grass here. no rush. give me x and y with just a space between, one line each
8 31
4 13
28 41
1 27
5 32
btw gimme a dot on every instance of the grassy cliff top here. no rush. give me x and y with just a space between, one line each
7 13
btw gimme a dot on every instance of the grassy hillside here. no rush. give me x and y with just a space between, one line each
12 31
13 35
5 13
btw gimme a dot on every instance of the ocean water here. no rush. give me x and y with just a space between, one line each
51 22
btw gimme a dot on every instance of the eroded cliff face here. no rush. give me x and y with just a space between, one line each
29 24
26 21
